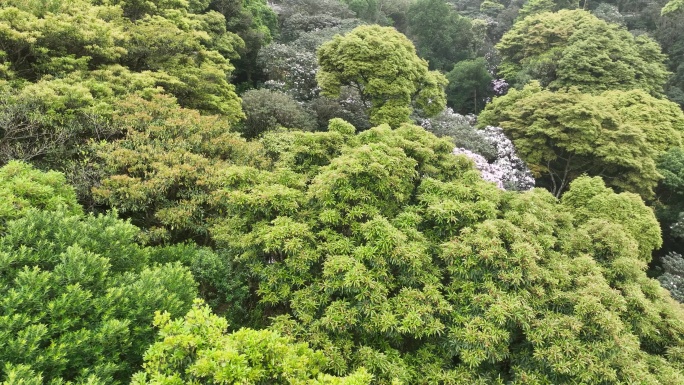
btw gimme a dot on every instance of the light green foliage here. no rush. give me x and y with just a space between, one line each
564 134
469 86
305 153
195 59
169 158
137 9
314 236
491 7
77 36
385 251
383 66
266 110
533 7
47 122
543 286
77 298
23 188
441 35
180 49
197 349
593 202
575 48
672 6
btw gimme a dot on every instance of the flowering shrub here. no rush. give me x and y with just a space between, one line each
500 86
673 278
493 153
489 172
516 175
460 129
290 70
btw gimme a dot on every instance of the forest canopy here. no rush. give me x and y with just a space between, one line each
301 192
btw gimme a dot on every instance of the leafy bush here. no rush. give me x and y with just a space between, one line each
78 296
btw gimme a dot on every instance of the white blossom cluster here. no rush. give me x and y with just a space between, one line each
493 153
514 171
290 70
499 86
489 172
673 277
443 121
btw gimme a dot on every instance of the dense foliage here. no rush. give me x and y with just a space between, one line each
565 134
575 48
406 263
77 292
297 192
383 67
246 356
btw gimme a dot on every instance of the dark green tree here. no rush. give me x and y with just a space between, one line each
469 86
440 34
257 25
266 110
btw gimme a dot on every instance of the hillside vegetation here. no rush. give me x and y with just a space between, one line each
341 192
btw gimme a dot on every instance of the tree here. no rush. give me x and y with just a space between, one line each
562 135
672 6
187 52
462 132
193 64
78 297
167 161
266 110
673 277
574 48
539 6
382 65
291 66
669 31
469 86
384 12
257 25
670 203
441 35
492 152
23 188
245 356
303 16
511 171
385 251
